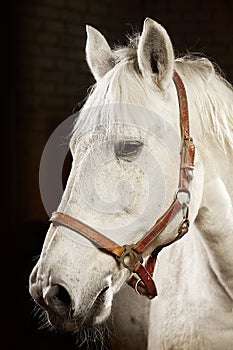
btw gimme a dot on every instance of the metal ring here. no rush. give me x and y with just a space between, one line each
183 190
136 286
133 256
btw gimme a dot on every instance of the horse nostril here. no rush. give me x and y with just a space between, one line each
62 295
58 299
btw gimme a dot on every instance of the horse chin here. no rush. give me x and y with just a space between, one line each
61 324
88 335
76 324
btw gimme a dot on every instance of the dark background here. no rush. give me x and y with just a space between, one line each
43 75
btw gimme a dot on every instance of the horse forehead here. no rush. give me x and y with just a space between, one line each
124 85
112 119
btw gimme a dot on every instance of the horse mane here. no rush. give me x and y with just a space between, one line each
211 94
212 98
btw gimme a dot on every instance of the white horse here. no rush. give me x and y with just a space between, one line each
125 147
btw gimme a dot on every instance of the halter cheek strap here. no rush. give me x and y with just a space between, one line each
130 256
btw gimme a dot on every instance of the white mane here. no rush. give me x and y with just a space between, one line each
212 99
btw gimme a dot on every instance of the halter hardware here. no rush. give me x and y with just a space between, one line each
184 191
130 256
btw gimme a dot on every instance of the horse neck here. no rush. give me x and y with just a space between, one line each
215 219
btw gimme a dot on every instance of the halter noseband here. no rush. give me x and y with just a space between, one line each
130 256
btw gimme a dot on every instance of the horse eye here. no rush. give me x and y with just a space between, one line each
127 149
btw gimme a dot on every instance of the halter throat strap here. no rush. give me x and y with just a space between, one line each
130 256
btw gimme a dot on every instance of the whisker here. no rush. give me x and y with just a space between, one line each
35 257
95 338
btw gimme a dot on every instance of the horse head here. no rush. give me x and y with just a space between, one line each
125 172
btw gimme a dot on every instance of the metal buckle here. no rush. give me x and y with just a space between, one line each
185 210
188 151
188 138
129 258
183 228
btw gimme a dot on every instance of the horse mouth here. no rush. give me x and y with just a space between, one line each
62 324
71 323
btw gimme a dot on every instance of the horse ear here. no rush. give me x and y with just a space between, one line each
155 53
98 53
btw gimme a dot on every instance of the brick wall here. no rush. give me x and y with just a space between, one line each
52 75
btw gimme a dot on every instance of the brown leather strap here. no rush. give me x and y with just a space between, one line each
183 104
158 227
145 285
188 148
100 240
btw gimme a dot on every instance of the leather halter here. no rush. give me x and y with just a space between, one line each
130 256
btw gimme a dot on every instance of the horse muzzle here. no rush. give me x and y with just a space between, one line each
60 307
